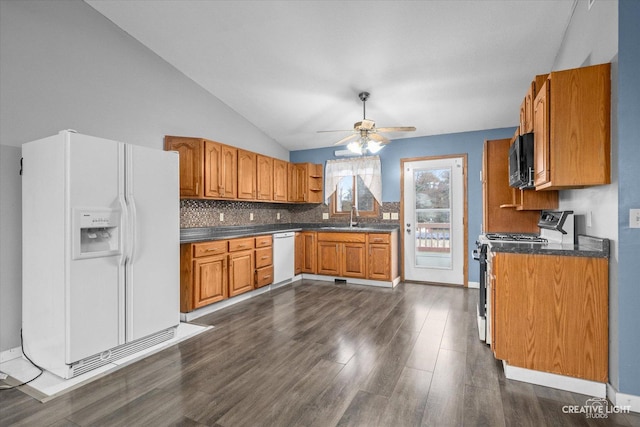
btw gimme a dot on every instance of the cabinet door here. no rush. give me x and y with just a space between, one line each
280 174
309 252
354 260
264 177
209 280
299 253
241 274
229 173
190 152
246 175
213 169
541 136
379 262
329 258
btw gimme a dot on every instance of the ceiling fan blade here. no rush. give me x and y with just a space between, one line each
343 140
397 129
379 138
342 130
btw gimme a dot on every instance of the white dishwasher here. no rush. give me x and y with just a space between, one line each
283 256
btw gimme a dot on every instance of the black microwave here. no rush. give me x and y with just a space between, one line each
521 161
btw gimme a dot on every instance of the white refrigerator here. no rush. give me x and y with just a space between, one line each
101 257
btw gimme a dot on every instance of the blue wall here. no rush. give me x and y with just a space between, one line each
628 194
469 143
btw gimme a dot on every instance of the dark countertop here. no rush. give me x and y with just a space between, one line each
587 246
191 235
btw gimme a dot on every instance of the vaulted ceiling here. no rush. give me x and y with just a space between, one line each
295 67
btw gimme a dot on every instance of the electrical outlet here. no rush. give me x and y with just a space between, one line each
394 215
221 216
278 215
634 218
325 215
386 215
251 216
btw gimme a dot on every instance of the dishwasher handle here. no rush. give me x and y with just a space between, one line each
284 235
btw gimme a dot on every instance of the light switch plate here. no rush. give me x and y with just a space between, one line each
278 215
221 216
325 215
634 218
386 215
394 215
250 216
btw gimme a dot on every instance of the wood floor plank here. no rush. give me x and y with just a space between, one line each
445 402
365 410
318 354
408 400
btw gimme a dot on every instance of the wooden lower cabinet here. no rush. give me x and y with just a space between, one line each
209 280
329 258
342 254
203 274
241 272
550 313
309 259
299 253
263 261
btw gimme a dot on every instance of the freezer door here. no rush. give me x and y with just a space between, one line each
153 275
95 286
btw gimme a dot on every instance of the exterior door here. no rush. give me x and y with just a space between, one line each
434 226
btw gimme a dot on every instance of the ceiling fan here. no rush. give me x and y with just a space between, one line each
365 136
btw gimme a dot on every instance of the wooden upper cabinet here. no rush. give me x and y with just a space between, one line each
191 165
497 195
526 110
246 175
208 169
280 180
219 170
229 175
264 177
541 136
573 130
305 182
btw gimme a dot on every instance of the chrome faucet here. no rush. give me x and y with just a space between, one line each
353 223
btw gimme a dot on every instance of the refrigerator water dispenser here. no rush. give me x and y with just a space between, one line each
96 233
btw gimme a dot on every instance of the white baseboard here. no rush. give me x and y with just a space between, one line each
623 400
473 285
560 382
188 317
353 281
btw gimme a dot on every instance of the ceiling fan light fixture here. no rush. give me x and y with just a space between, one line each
374 146
355 147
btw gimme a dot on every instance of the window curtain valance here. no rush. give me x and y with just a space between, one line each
367 168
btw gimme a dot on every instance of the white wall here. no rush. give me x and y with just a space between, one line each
592 38
64 66
10 248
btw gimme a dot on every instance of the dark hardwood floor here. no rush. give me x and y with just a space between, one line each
319 354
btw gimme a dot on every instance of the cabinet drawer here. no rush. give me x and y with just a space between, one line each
264 257
209 248
379 238
240 244
264 276
342 237
264 241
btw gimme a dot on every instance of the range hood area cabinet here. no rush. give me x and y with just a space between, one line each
572 129
212 170
505 209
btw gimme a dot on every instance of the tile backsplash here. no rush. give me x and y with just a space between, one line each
206 213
